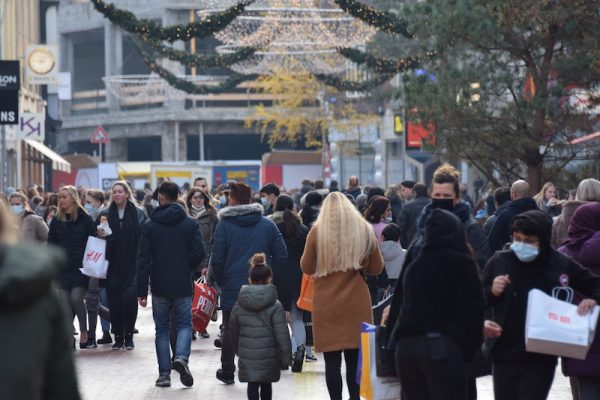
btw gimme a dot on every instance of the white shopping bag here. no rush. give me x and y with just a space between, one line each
94 262
553 326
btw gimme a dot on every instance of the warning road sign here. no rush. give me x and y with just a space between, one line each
100 136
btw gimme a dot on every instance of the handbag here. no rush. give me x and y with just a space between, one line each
94 263
203 304
385 362
554 327
372 385
305 300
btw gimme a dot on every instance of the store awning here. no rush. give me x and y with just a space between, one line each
58 163
133 169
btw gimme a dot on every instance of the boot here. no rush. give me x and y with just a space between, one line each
106 338
298 359
119 343
129 341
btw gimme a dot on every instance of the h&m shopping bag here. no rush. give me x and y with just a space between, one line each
373 387
553 326
94 263
305 301
204 304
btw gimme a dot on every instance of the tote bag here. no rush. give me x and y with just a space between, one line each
94 262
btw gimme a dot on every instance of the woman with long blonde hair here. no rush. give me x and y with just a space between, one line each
70 230
125 220
340 249
547 200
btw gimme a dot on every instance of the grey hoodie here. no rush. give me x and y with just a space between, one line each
259 334
393 258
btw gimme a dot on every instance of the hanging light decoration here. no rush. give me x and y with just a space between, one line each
291 34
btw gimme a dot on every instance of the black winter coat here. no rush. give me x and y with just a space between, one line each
440 290
122 256
287 276
171 247
72 236
407 221
500 232
35 331
259 334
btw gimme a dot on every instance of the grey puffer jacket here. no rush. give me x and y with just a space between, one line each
259 334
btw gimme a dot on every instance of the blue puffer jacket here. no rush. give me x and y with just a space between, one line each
242 232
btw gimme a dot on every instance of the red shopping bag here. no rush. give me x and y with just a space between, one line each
203 305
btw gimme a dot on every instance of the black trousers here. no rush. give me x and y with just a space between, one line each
227 354
523 380
123 309
266 391
333 374
431 367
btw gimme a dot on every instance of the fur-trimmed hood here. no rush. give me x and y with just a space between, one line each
245 214
277 217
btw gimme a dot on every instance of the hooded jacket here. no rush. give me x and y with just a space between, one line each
583 245
37 360
287 276
170 248
393 258
550 269
489 223
242 231
440 290
500 232
259 334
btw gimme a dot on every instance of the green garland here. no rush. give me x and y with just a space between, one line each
382 20
198 60
130 23
189 87
380 65
352 86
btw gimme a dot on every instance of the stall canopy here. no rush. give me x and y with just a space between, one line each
58 163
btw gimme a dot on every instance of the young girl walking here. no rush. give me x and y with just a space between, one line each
259 332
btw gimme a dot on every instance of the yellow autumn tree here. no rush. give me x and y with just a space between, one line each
298 113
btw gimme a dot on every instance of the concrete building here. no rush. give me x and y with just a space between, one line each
146 120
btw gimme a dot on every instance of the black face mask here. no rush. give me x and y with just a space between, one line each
443 204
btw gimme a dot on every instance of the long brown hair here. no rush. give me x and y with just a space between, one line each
207 204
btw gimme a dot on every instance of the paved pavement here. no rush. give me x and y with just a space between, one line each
105 374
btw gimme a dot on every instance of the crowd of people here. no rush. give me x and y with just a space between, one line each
458 274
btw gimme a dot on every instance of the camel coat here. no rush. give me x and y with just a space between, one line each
341 300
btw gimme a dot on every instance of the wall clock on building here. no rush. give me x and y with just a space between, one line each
41 60
42 65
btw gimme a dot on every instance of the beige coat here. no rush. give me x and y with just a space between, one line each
33 228
341 300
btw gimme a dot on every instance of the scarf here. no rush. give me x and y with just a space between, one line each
122 246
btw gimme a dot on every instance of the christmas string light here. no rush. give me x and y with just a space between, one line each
383 65
199 29
384 21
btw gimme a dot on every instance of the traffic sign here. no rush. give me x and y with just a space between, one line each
100 136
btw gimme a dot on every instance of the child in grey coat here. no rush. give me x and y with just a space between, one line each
259 332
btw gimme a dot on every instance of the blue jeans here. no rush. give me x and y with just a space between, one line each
181 307
104 301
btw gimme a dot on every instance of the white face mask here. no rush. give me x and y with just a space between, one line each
265 202
388 220
154 203
201 208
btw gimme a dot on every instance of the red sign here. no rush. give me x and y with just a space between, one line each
417 134
100 136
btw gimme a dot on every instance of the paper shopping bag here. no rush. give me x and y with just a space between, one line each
94 263
373 387
305 300
553 326
204 304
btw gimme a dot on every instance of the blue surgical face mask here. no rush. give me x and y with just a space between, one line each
265 202
524 251
154 203
17 210
90 208
222 200
388 220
